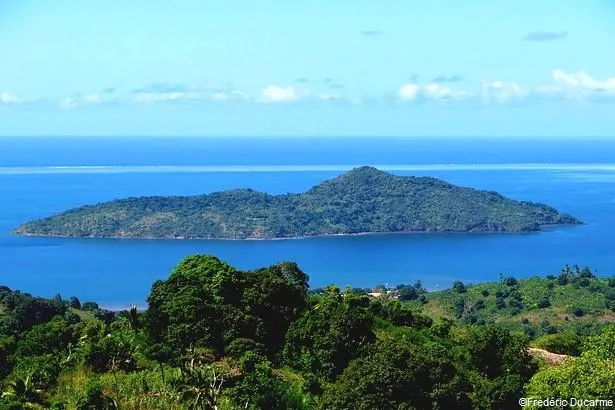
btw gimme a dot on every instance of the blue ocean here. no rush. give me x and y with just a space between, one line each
42 176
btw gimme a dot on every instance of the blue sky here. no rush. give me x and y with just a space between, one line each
264 67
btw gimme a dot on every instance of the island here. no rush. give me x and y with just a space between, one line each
361 201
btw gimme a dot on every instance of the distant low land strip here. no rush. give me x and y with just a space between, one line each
109 169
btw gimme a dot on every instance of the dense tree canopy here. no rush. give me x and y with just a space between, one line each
215 337
335 329
400 374
207 303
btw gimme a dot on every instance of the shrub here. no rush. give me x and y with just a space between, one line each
407 293
547 327
500 303
90 306
459 287
562 343
544 303
239 347
73 302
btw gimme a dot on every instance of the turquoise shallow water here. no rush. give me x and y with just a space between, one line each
120 272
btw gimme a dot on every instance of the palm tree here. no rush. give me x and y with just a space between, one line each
200 385
25 392
161 354
132 317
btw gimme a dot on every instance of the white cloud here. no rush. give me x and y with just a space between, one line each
234 95
356 101
582 80
165 96
79 100
290 94
581 86
564 86
436 91
270 94
578 86
503 92
92 99
329 97
409 92
167 92
221 97
276 93
69 103
431 92
6 98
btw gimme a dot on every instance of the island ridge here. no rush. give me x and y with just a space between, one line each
363 200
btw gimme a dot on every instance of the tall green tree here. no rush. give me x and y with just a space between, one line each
499 365
399 374
207 303
335 329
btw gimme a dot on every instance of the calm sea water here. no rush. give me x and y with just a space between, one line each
41 176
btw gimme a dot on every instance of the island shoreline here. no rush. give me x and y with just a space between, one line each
337 235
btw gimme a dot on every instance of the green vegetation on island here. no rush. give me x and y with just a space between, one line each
364 200
214 337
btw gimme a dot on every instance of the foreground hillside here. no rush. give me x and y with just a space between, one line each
570 304
214 337
364 200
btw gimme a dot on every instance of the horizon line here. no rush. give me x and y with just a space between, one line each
148 169
305 136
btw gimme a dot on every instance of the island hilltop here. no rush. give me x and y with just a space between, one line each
363 200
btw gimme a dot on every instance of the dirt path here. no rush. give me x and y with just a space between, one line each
551 358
